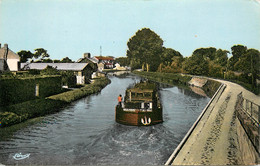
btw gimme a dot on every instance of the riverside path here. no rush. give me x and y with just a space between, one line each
217 137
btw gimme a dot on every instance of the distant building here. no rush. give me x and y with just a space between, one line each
82 71
118 67
9 61
107 61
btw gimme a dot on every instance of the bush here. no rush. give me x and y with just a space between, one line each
16 90
20 112
82 92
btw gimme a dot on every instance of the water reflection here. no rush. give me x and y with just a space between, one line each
86 132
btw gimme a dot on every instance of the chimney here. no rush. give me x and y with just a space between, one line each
6 46
6 51
0 45
86 55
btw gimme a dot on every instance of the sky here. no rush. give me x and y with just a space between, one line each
68 28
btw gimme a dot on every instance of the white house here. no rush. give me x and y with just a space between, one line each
9 61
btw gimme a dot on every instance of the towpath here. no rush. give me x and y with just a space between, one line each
215 140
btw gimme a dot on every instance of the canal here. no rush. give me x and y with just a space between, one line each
85 132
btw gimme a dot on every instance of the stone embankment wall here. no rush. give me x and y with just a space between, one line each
198 82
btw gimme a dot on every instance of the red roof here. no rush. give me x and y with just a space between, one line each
104 58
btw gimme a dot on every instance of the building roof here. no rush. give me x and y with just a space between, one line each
10 55
104 58
58 66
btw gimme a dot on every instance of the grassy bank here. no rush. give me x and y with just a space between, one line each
21 112
168 78
178 80
73 95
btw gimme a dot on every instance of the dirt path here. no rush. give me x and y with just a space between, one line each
214 141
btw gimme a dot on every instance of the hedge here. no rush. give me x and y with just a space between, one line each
19 90
20 112
73 95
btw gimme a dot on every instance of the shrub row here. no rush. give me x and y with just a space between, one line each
20 112
19 90
177 79
169 78
73 95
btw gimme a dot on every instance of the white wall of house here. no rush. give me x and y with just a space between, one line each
13 64
80 79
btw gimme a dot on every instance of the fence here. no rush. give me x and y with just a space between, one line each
248 115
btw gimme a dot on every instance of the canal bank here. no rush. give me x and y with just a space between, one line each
218 137
21 112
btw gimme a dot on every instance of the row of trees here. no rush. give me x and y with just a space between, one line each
40 55
146 51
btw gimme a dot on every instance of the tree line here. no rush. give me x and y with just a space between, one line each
146 51
40 55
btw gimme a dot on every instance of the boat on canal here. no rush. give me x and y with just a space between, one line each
141 106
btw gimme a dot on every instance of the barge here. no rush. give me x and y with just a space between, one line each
141 106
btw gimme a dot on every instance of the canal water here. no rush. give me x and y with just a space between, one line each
85 132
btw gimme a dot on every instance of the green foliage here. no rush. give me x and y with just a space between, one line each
211 87
196 65
206 61
221 57
20 112
237 52
215 70
66 60
145 48
48 60
123 61
168 55
206 53
17 90
49 70
82 92
169 78
68 78
34 72
25 55
41 53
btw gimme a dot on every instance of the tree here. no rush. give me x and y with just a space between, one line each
66 60
221 57
196 64
206 53
41 53
49 70
248 63
25 55
237 52
48 60
145 47
123 61
168 55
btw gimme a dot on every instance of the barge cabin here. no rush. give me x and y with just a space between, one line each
141 106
